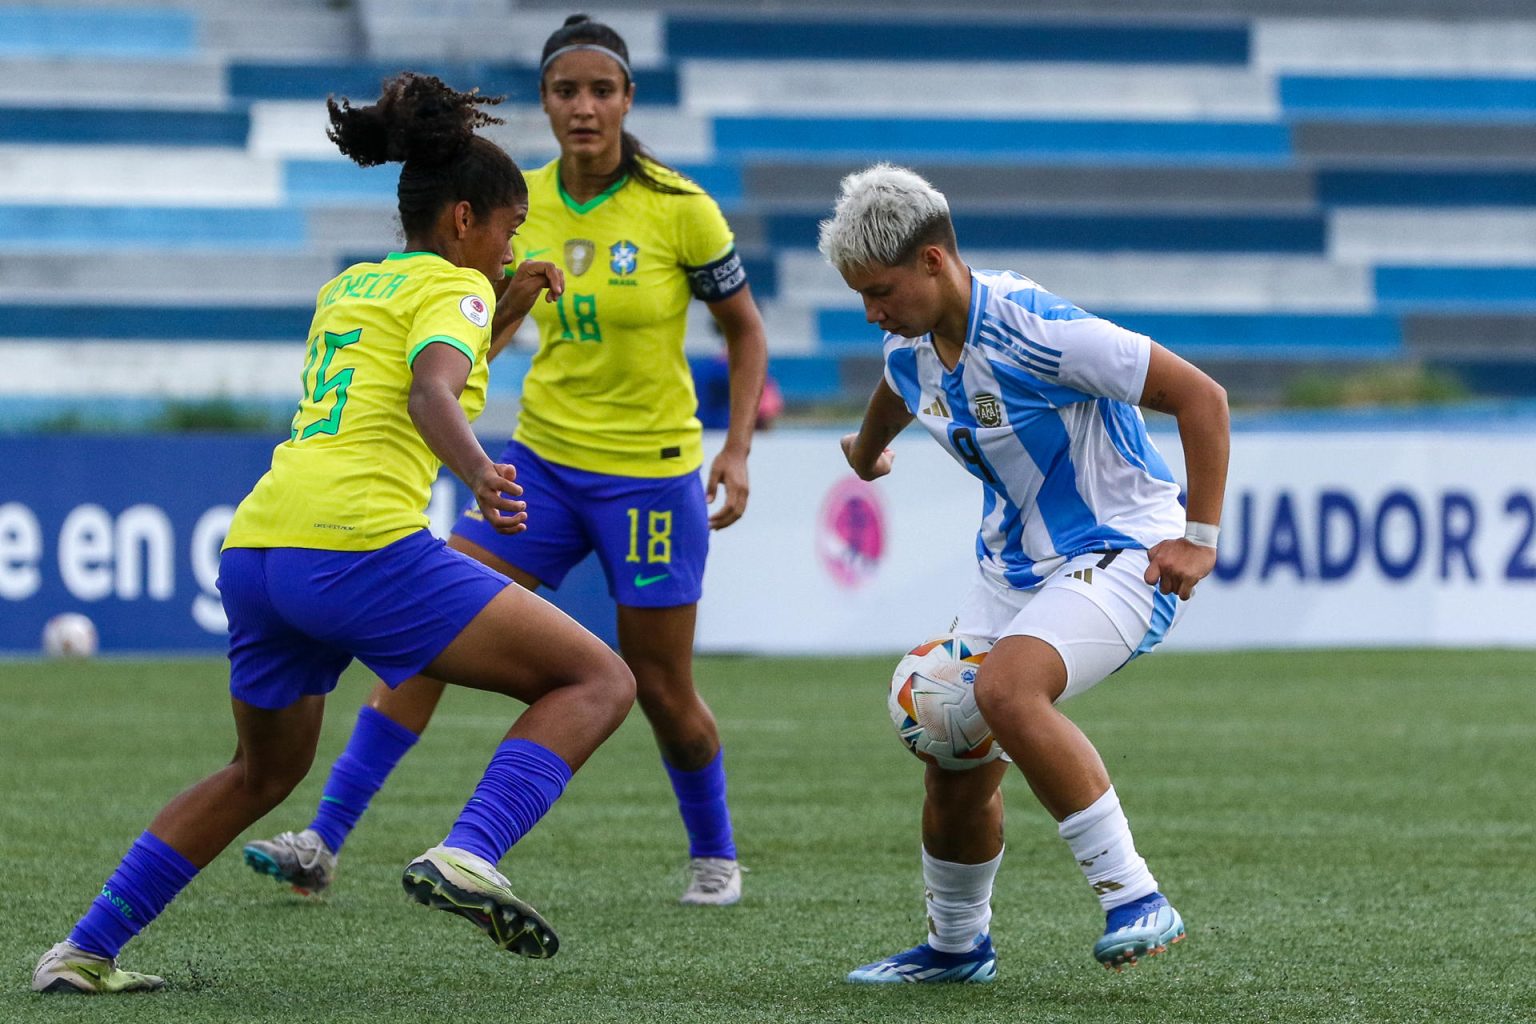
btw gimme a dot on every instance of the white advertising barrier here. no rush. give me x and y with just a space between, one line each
826 563
1329 539
1372 539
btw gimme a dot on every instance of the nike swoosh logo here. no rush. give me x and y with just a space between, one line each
645 581
531 253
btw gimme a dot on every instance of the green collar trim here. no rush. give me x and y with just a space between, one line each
590 204
409 255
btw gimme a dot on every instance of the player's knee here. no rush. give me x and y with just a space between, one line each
993 693
1001 695
958 790
613 687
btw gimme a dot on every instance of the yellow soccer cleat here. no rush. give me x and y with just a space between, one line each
68 969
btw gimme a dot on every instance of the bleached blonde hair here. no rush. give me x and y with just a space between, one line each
881 218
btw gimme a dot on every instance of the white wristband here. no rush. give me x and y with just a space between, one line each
1203 534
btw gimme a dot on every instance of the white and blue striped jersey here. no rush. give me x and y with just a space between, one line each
1041 407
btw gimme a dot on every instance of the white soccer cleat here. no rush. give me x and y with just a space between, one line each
462 883
299 858
715 882
69 969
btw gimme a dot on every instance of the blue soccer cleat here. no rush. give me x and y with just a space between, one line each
1146 927
925 964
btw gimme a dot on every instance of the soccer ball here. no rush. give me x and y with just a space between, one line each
70 635
933 703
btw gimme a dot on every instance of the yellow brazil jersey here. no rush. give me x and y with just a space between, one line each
609 390
354 475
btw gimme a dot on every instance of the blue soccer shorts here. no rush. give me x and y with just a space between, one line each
651 535
297 617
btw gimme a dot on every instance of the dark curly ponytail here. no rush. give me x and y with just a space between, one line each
578 29
420 122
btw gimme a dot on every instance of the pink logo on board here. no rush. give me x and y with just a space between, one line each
850 532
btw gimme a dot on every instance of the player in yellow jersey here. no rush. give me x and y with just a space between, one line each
607 447
329 557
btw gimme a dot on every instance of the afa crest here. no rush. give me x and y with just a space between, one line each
625 255
988 412
578 255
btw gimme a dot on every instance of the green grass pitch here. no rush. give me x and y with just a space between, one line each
1350 837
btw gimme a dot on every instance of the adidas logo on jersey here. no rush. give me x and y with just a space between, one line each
937 408
1086 575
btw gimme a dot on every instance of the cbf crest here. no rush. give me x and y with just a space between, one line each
988 412
578 255
625 255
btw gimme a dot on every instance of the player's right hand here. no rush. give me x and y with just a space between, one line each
496 491
531 278
880 467
1175 566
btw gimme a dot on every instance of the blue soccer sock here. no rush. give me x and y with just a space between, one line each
378 743
520 785
149 877
701 800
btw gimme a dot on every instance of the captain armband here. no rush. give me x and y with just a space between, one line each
718 280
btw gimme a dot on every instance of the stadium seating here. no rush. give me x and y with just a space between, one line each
1266 187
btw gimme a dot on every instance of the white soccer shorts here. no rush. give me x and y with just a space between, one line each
1096 610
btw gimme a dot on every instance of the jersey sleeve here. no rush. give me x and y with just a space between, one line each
1056 340
707 250
456 312
901 371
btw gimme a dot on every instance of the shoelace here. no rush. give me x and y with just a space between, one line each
712 876
307 849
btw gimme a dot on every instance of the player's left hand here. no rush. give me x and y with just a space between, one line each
497 491
1177 565
730 469
524 286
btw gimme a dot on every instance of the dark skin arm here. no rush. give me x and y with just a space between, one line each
1199 404
516 295
438 378
746 345
884 418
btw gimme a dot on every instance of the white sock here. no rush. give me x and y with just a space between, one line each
959 900
1101 841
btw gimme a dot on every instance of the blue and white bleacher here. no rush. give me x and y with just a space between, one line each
70 31
1451 288
934 37
973 140
1256 188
